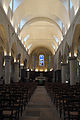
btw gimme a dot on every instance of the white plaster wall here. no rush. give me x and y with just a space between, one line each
12 36
68 37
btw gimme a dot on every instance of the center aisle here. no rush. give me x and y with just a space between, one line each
40 107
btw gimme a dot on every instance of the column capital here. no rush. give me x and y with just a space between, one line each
72 58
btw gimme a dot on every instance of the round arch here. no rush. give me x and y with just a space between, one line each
41 19
14 50
75 40
36 53
31 7
59 60
4 39
66 52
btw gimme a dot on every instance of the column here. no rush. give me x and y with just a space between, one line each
28 73
21 77
53 76
1 68
73 70
16 72
12 70
7 69
79 73
64 72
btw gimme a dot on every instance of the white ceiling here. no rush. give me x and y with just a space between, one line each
41 20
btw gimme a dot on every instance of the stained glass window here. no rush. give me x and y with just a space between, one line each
41 60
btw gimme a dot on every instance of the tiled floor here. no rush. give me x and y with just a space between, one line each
40 107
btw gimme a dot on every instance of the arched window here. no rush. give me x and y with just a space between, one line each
41 60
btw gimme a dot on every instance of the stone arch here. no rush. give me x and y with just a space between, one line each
66 52
14 50
13 59
1 61
20 58
78 49
59 60
25 64
75 40
35 19
41 51
4 39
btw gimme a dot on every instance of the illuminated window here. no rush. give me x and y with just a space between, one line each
53 46
29 46
41 60
15 4
11 4
26 38
22 22
56 38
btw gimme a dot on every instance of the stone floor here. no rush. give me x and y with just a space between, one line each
40 107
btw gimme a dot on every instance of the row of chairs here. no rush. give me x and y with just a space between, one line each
14 98
66 98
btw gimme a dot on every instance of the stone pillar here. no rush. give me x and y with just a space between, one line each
64 67
1 68
12 70
53 76
28 75
7 69
16 72
73 70
79 73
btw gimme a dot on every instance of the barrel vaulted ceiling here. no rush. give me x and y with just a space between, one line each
41 22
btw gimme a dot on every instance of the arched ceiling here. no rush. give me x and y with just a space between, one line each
53 21
47 29
40 8
40 22
41 32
